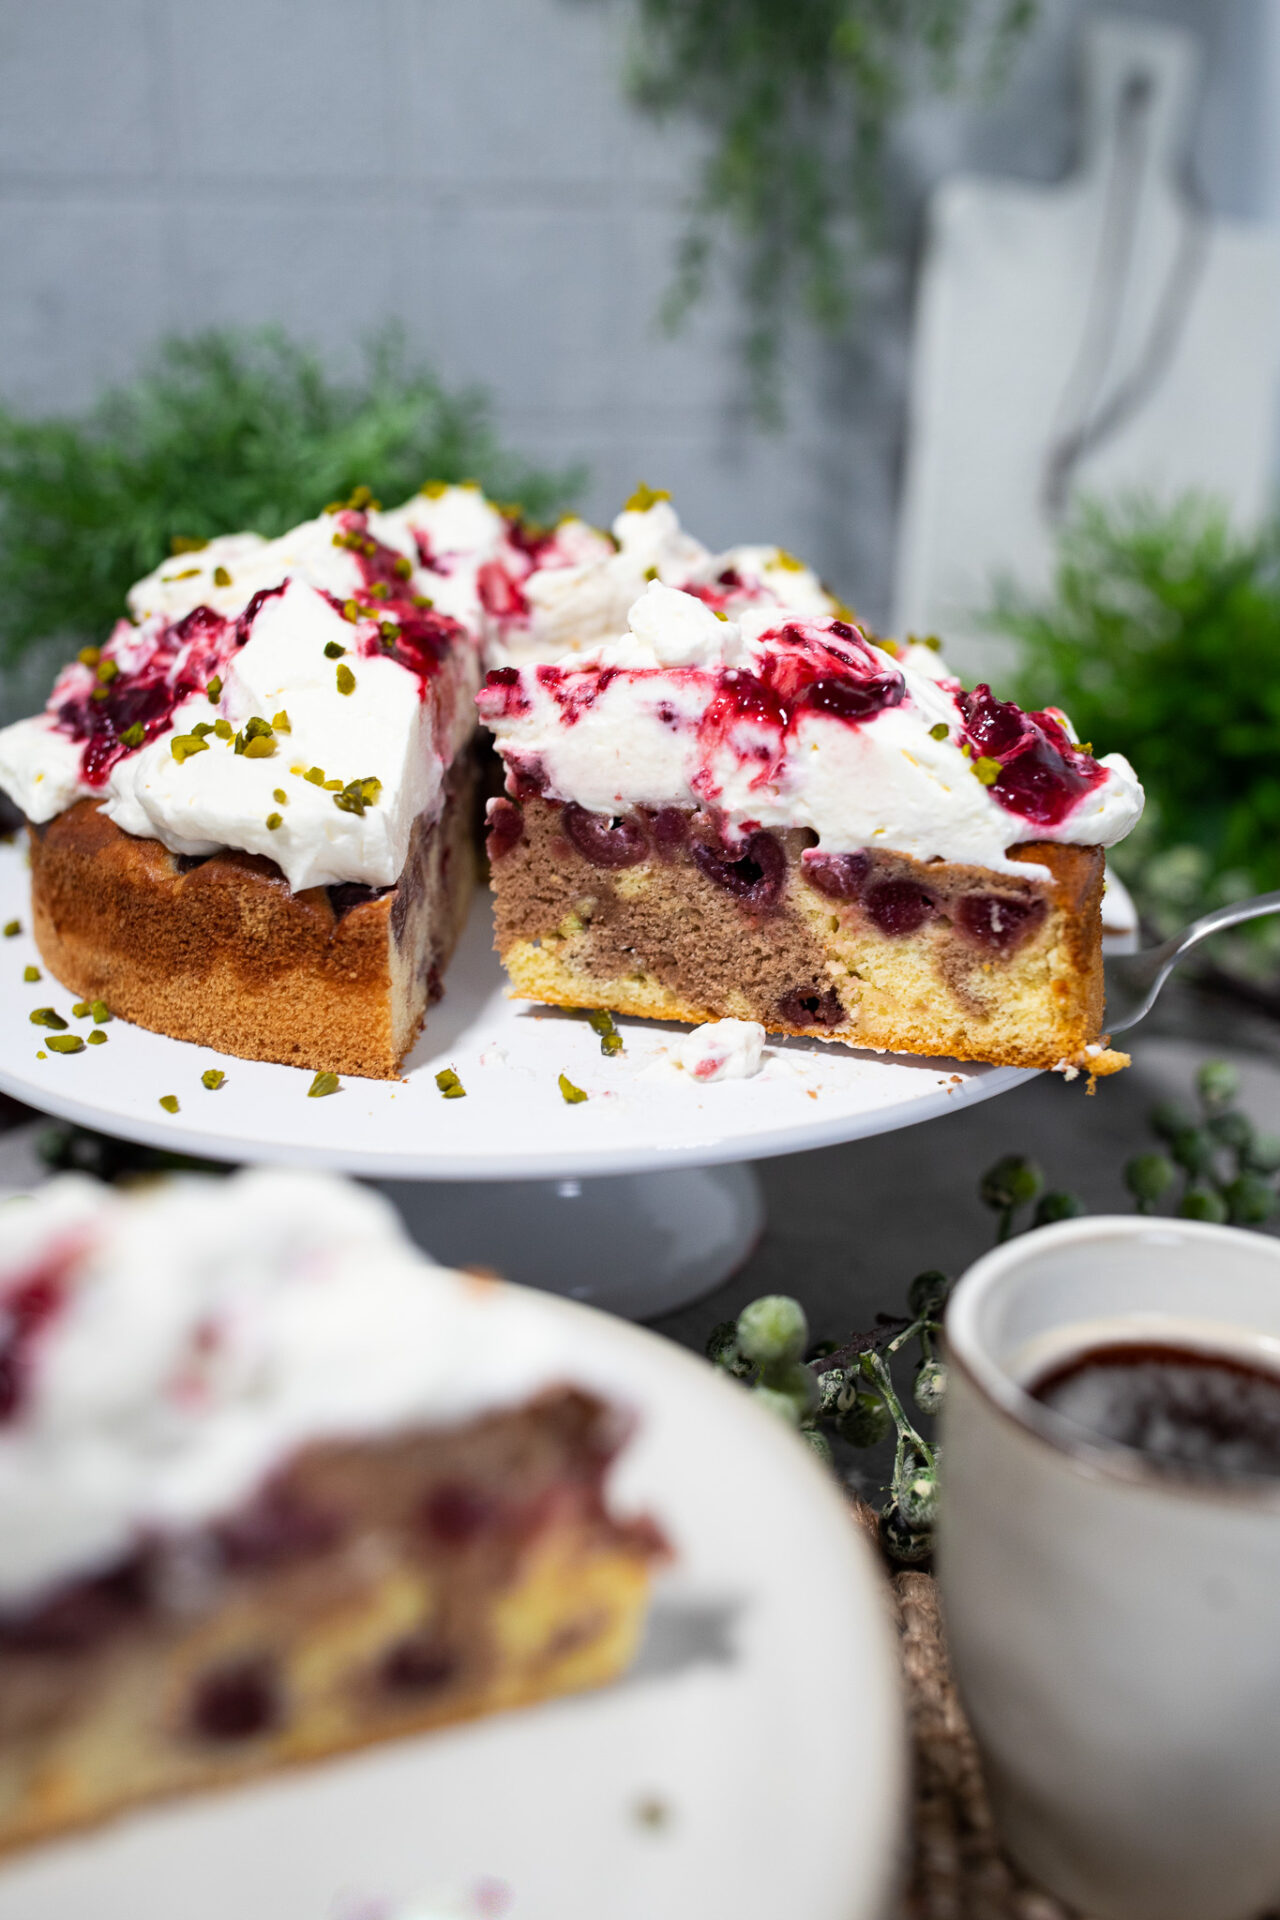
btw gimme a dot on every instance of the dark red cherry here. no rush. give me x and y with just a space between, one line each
855 699
82 1614
454 1515
898 907
526 777
417 1665
505 828
277 1527
999 922
803 1007
605 842
841 876
755 878
238 1700
668 830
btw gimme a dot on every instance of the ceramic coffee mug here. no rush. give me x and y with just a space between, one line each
1115 1632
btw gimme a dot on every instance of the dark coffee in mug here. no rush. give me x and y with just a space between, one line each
1188 1411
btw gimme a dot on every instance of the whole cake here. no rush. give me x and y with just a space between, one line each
273 1485
774 818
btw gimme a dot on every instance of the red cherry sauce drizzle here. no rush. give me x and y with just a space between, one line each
27 1305
1042 777
423 639
822 667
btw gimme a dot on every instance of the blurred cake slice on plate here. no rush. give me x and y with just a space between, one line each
774 818
272 1485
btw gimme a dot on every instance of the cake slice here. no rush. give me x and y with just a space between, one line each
272 1486
773 818
254 809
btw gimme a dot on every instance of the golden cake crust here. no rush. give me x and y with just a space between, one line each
222 952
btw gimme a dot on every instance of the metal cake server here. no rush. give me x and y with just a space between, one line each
1134 979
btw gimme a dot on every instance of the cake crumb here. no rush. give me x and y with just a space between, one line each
1097 1060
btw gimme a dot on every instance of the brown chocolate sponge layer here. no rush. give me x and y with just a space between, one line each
222 952
370 1590
650 914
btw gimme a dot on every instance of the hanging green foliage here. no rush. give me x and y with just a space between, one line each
221 432
797 96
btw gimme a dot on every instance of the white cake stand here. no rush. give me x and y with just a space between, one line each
637 1198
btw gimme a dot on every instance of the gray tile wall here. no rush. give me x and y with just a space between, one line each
470 166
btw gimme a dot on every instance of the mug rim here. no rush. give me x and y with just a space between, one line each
967 1352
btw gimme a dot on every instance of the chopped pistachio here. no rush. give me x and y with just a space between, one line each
322 1084
434 489
41 1054
402 568
11 927
107 671
423 602
933 643
100 693
65 1043
223 729
188 573
183 745
96 1037
221 578
350 611
643 498
278 794
298 768
601 1022
719 613
260 748
274 820
333 786
201 728
333 650
572 1095
987 770
379 590
182 543
315 775
212 1077
101 1012
357 795
169 1101
346 680
81 1010
214 688
31 975
450 1085
388 632
47 1017
940 732
781 558
651 573
89 656
280 721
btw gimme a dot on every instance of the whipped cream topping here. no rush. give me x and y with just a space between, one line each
329 642
774 721
164 1350
572 590
721 1050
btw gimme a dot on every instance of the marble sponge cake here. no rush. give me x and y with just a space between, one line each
773 818
273 1486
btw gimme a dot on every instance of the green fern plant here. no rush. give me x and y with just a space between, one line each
222 431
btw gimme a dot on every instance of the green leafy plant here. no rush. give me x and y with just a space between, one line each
1161 639
797 97
220 432
1211 1163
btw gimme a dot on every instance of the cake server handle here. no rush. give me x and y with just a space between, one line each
1134 979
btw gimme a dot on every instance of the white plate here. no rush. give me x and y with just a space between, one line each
513 1124
763 1722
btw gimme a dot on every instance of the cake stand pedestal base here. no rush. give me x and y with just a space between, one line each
638 1244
